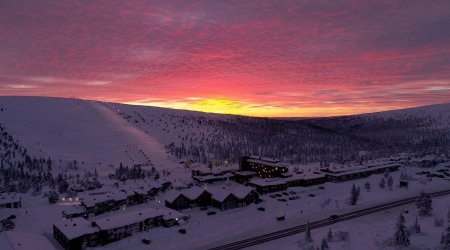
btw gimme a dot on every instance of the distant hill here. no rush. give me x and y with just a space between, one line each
109 133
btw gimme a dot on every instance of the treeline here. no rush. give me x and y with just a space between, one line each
208 138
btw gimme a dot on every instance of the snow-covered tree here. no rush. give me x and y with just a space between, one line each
448 215
401 236
386 173
367 186
424 204
324 244
403 177
416 226
308 237
382 183
354 196
329 235
390 182
445 239
53 196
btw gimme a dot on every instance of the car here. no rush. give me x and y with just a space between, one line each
211 213
5 221
283 200
291 192
333 217
321 187
11 217
312 195
278 195
261 209
272 196
146 241
203 208
291 198
280 217
285 193
182 231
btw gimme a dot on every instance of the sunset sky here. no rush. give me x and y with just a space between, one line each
258 58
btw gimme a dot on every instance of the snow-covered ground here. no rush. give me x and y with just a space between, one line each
94 135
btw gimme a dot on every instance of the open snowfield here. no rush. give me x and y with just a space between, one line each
93 134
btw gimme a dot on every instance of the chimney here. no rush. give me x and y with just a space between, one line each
94 224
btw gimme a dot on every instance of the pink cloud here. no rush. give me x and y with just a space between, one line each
296 54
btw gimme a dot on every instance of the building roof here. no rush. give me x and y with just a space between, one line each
212 177
365 169
220 194
94 199
172 195
74 209
245 173
4 198
127 218
242 191
194 192
268 182
76 227
10 240
268 163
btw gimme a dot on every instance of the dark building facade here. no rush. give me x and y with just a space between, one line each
264 167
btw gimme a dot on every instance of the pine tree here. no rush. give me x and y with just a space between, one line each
325 244
390 182
401 236
49 164
416 226
445 239
354 196
53 197
367 186
329 235
448 215
386 173
308 237
382 183
424 204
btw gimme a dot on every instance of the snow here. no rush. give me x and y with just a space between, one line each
24 241
124 218
75 227
93 134
4 198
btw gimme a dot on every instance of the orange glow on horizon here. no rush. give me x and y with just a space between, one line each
232 107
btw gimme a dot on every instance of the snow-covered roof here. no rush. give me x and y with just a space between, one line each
268 163
193 193
172 195
305 176
245 173
220 194
127 218
74 210
213 177
4 198
10 240
242 191
362 170
266 159
76 227
90 201
268 182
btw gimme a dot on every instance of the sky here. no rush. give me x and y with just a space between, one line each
257 58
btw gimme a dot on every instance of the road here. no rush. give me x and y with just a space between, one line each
321 223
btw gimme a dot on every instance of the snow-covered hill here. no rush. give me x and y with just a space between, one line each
99 136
